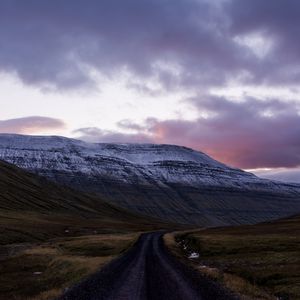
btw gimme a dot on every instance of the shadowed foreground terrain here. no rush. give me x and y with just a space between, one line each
43 271
51 237
261 261
147 271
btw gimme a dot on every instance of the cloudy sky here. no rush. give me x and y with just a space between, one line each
220 76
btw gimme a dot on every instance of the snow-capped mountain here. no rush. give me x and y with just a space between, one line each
171 182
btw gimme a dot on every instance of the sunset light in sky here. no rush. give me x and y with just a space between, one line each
219 76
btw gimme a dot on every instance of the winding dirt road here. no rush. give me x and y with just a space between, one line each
146 272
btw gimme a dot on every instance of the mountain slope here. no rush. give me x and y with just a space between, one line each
170 182
32 208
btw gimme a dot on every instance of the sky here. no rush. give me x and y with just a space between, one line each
220 76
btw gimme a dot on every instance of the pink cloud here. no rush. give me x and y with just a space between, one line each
30 125
239 134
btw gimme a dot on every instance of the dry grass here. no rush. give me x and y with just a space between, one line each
44 271
258 262
18 227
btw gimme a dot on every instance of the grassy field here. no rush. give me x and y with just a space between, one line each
41 255
30 227
43 271
257 261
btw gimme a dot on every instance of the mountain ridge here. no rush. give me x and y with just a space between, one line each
170 182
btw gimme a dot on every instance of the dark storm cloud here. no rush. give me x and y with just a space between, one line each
278 21
30 125
53 42
249 134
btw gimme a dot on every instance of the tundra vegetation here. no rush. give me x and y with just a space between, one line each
257 261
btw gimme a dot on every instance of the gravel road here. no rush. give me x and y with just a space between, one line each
147 272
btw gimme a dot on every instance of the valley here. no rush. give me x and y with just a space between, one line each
75 211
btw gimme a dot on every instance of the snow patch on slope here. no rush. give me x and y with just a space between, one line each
162 164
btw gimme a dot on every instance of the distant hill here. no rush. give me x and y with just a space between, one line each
169 182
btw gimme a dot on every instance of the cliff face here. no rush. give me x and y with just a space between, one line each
170 182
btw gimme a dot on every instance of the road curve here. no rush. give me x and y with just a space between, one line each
146 272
